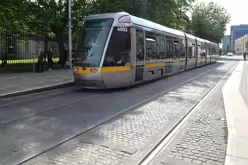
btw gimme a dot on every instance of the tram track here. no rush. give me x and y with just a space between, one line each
114 111
85 96
10 101
53 109
119 114
168 137
57 94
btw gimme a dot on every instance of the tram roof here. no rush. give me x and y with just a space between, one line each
137 21
190 36
146 23
200 39
150 24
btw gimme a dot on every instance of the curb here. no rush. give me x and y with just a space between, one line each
237 119
228 59
36 90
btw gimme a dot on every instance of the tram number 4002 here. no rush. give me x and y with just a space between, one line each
122 29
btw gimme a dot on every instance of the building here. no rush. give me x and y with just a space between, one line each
241 45
226 44
237 31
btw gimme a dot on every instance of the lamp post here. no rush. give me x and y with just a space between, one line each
69 34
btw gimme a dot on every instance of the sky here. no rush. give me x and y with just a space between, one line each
238 9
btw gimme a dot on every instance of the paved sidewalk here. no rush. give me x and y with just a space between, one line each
203 138
235 99
19 83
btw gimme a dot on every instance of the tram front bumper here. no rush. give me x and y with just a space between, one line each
88 78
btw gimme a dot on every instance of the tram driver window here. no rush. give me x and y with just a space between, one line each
118 48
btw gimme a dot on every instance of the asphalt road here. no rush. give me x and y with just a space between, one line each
36 125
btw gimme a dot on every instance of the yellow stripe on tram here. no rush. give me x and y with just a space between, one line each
155 65
176 62
116 69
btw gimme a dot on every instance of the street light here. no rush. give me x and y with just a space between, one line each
69 35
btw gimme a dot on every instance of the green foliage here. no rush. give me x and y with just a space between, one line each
50 17
209 21
46 16
170 13
10 18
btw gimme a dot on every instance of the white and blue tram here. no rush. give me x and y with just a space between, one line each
119 50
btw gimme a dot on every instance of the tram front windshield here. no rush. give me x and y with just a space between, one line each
92 42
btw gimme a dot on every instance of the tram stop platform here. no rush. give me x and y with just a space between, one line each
235 95
14 84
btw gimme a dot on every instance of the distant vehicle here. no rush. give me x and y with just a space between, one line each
230 54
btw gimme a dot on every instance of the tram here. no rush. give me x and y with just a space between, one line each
119 50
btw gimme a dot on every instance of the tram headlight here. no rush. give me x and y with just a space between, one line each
75 70
93 70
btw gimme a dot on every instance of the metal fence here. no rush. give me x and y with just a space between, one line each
21 50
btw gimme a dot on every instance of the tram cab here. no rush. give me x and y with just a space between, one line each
103 58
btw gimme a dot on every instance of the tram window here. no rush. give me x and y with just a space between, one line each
139 45
92 42
182 49
203 50
150 46
199 50
119 48
169 47
161 46
176 49
191 51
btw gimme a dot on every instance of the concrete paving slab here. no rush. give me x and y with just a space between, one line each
235 161
243 88
237 146
24 83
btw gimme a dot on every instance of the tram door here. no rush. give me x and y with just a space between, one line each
140 56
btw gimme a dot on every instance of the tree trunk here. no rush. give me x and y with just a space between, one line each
61 49
45 44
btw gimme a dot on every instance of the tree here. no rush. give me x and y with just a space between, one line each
9 18
170 13
209 21
45 17
48 17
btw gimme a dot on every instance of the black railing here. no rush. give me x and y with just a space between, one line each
22 50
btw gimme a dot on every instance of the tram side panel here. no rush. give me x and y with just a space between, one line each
138 58
208 57
178 54
116 70
191 54
201 58
214 53
154 58
165 54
